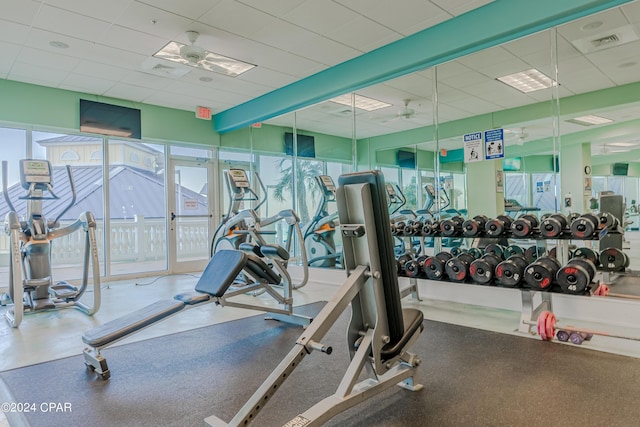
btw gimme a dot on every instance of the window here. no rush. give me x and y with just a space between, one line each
69 155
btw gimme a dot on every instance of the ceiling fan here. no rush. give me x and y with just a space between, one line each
518 137
405 113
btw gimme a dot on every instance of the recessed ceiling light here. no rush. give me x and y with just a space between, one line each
59 45
593 25
528 81
592 120
206 79
361 102
174 51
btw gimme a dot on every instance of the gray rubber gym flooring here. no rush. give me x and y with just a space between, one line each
471 378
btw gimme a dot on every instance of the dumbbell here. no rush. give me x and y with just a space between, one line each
533 252
451 227
402 261
476 252
483 269
498 226
414 267
509 272
458 268
587 253
585 226
613 259
524 226
496 249
607 220
574 277
414 228
433 266
540 274
428 229
571 216
456 250
553 226
474 226
512 250
546 325
399 228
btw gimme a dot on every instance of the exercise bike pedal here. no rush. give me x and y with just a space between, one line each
63 291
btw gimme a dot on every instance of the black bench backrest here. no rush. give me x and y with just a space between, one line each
384 249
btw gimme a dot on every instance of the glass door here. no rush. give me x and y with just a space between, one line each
190 213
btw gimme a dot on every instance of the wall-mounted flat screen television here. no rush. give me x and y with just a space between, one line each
512 164
406 159
620 169
112 120
306 145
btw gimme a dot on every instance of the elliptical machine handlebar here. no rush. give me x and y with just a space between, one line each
5 186
72 184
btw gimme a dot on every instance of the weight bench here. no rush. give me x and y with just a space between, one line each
380 332
213 286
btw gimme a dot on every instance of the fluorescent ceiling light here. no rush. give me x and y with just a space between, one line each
210 61
528 81
622 144
592 120
361 102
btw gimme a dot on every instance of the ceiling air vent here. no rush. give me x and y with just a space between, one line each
615 37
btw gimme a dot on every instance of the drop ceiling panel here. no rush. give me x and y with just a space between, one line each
30 73
610 20
104 10
323 50
12 32
100 70
133 41
470 78
137 78
405 17
413 84
474 105
364 34
117 57
273 7
487 58
191 9
70 24
238 18
632 12
268 78
320 16
284 35
152 20
8 52
46 59
19 11
458 7
40 39
87 84
130 92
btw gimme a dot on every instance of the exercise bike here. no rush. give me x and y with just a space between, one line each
31 286
319 234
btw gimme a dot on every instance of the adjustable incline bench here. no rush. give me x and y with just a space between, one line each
380 332
213 286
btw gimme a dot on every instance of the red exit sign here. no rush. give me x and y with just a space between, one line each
203 113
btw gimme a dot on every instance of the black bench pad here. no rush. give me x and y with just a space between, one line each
259 269
275 250
132 322
221 271
412 319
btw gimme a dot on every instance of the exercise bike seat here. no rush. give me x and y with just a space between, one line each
412 319
221 271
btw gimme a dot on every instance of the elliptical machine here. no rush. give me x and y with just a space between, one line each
31 286
319 234
244 229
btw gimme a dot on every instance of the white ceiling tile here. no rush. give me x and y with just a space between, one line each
364 34
44 59
87 84
610 19
475 105
8 52
412 84
40 39
238 18
323 50
138 78
100 70
13 32
470 78
398 15
192 9
129 92
283 36
268 78
70 24
103 10
274 7
632 12
19 11
458 7
451 69
133 41
36 74
116 57
486 58
151 20
320 16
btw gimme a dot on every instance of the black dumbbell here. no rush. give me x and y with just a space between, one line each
513 250
540 274
613 259
587 253
585 226
476 252
553 226
574 278
498 226
415 228
475 226
428 229
434 265
402 261
399 228
496 249
607 220
414 267
533 252
483 269
509 272
524 226
458 268
571 216
451 227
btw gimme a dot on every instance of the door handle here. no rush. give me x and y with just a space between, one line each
173 216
